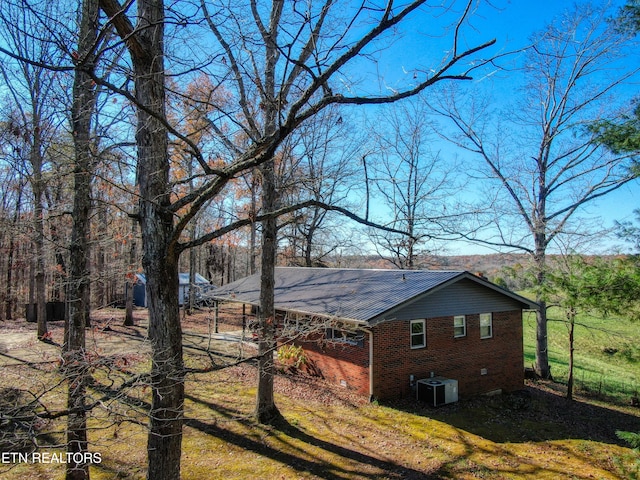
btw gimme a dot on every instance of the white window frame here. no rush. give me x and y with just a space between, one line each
423 333
464 326
486 320
295 323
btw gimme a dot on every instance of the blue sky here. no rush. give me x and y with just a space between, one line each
512 23
515 23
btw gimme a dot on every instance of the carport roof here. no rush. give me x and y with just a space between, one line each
359 295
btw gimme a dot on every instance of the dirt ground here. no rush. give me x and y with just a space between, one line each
108 336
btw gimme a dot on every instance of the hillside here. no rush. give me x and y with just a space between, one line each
490 265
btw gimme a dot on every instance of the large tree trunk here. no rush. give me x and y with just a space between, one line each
542 353
266 409
78 291
540 264
159 240
160 258
167 372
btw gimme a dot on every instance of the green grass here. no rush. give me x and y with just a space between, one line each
607 353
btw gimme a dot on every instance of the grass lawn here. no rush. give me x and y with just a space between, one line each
526 436
607 354
327 433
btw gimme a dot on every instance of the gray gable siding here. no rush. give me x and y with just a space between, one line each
464 297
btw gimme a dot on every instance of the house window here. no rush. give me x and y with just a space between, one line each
349 337
486 325
418 334
459 326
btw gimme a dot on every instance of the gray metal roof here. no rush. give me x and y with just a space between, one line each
351 294
183 278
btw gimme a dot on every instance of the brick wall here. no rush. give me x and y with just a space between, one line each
479 365
341 363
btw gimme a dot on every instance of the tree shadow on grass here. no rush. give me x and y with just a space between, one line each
530 415
301 460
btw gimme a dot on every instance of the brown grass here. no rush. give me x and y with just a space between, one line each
326 432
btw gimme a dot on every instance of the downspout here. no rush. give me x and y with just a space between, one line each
371 398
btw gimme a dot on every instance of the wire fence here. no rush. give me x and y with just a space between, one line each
602 384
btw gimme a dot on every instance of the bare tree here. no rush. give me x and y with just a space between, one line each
145 43
75 367
35 94
283 67
320 167
541 164
285 64
414 186
12 186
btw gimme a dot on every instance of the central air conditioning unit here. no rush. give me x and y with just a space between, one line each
437 391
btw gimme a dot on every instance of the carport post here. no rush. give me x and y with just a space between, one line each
215 316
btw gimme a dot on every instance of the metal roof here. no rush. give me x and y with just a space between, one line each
183 278
351 294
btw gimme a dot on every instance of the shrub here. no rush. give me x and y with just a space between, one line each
291 358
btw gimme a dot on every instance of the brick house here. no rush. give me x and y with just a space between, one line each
378 332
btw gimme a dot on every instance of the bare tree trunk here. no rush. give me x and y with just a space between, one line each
79 276
32 279
128 316
37 186
572 326
167 372
308 247
57 294
192 271
254 209
540 263
266 410
542 354
9 288
192 251
101 297
38 242
160 257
